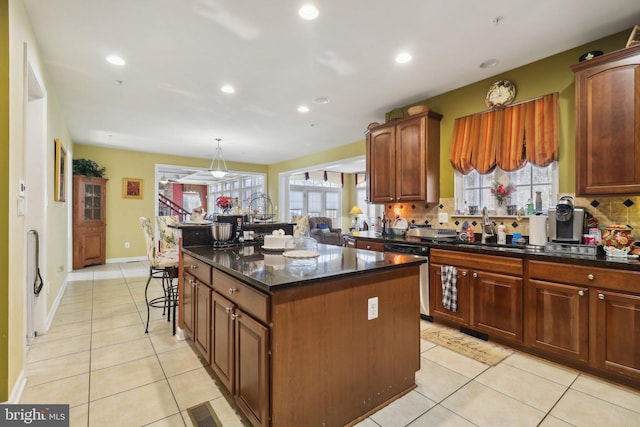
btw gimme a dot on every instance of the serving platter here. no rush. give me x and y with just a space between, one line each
301 254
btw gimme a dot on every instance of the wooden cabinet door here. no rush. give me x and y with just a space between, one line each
607 124
252 368
411 160
222 340
202 331
617 332
557 317
381 155
461 315
369 245
188 304
497 304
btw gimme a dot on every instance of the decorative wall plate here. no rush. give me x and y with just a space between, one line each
501 93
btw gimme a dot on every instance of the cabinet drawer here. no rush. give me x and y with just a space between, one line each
492 263
585 275
197 269
244 296
372 246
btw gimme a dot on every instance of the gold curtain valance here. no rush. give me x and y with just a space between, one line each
508 138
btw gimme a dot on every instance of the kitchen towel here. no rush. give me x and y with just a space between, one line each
538 230
449 276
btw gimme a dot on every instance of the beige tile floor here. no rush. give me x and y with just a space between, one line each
97 358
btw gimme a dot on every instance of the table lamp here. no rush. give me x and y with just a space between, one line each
355 211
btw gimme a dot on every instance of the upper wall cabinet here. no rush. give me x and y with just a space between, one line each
403 160
608 124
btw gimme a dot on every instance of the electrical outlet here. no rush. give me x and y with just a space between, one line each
443 217
127 245
372 310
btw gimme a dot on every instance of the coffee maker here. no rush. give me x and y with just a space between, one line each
566 222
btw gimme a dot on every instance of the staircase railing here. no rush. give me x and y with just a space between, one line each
173 208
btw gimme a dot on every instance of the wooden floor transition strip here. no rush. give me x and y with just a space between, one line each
203 415
466 345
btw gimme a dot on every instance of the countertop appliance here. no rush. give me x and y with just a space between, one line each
566 222
416 249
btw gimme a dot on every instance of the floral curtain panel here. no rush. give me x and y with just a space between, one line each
508 138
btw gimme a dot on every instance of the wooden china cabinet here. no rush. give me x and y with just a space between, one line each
89 225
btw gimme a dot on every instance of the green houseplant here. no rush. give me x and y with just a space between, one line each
88 168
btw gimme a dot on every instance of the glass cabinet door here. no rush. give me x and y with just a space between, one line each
92 202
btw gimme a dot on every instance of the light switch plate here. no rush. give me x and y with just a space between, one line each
372 310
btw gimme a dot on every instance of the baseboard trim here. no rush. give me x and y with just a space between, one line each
18 388
128 259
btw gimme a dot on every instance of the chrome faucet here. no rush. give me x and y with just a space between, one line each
487 226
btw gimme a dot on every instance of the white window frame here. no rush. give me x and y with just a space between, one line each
499 174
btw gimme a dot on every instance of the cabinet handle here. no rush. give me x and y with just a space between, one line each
475 274
581 293
228 309
600 296
191 282
232 290
590 276
234 316
193 266
464 274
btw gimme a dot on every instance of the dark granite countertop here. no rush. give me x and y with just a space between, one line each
270 270
601 261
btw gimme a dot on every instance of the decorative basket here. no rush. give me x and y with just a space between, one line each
417 109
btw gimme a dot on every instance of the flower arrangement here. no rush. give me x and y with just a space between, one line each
224 202
501 192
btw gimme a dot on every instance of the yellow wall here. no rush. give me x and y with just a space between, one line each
123 224
5 381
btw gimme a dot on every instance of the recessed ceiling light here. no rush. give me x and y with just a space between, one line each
308 12
228 89
303 109
115 60
403 58
489 63
321 100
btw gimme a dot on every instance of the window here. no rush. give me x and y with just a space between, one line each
474 189
245 188
315 196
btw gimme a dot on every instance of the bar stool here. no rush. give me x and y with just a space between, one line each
163 266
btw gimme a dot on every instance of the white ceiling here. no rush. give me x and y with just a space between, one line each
167 97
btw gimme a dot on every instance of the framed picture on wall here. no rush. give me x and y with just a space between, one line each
634 38
59 193
131 188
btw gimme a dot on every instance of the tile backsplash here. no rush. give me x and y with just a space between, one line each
607 210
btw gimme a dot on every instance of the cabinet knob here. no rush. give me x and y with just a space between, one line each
391 199
590 276
232 290
475 274
600 296
234 316
228 309
464 274
192 266
368 246
581 293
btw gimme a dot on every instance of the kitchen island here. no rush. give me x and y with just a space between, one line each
321 341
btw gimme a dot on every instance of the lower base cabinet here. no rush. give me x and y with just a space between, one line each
617 332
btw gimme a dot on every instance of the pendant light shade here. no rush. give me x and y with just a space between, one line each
218 166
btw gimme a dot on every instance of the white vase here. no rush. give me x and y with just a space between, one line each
501 210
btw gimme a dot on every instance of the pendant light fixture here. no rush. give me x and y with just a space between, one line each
219 163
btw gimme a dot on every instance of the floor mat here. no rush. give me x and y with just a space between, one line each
466 345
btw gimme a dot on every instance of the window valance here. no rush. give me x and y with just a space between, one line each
508 138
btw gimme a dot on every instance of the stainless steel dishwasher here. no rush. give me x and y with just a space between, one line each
416 249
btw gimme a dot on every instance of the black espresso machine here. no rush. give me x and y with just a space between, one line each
566 221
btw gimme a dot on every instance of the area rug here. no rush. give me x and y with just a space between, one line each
469 346
203 415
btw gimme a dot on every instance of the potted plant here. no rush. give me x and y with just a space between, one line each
88 168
